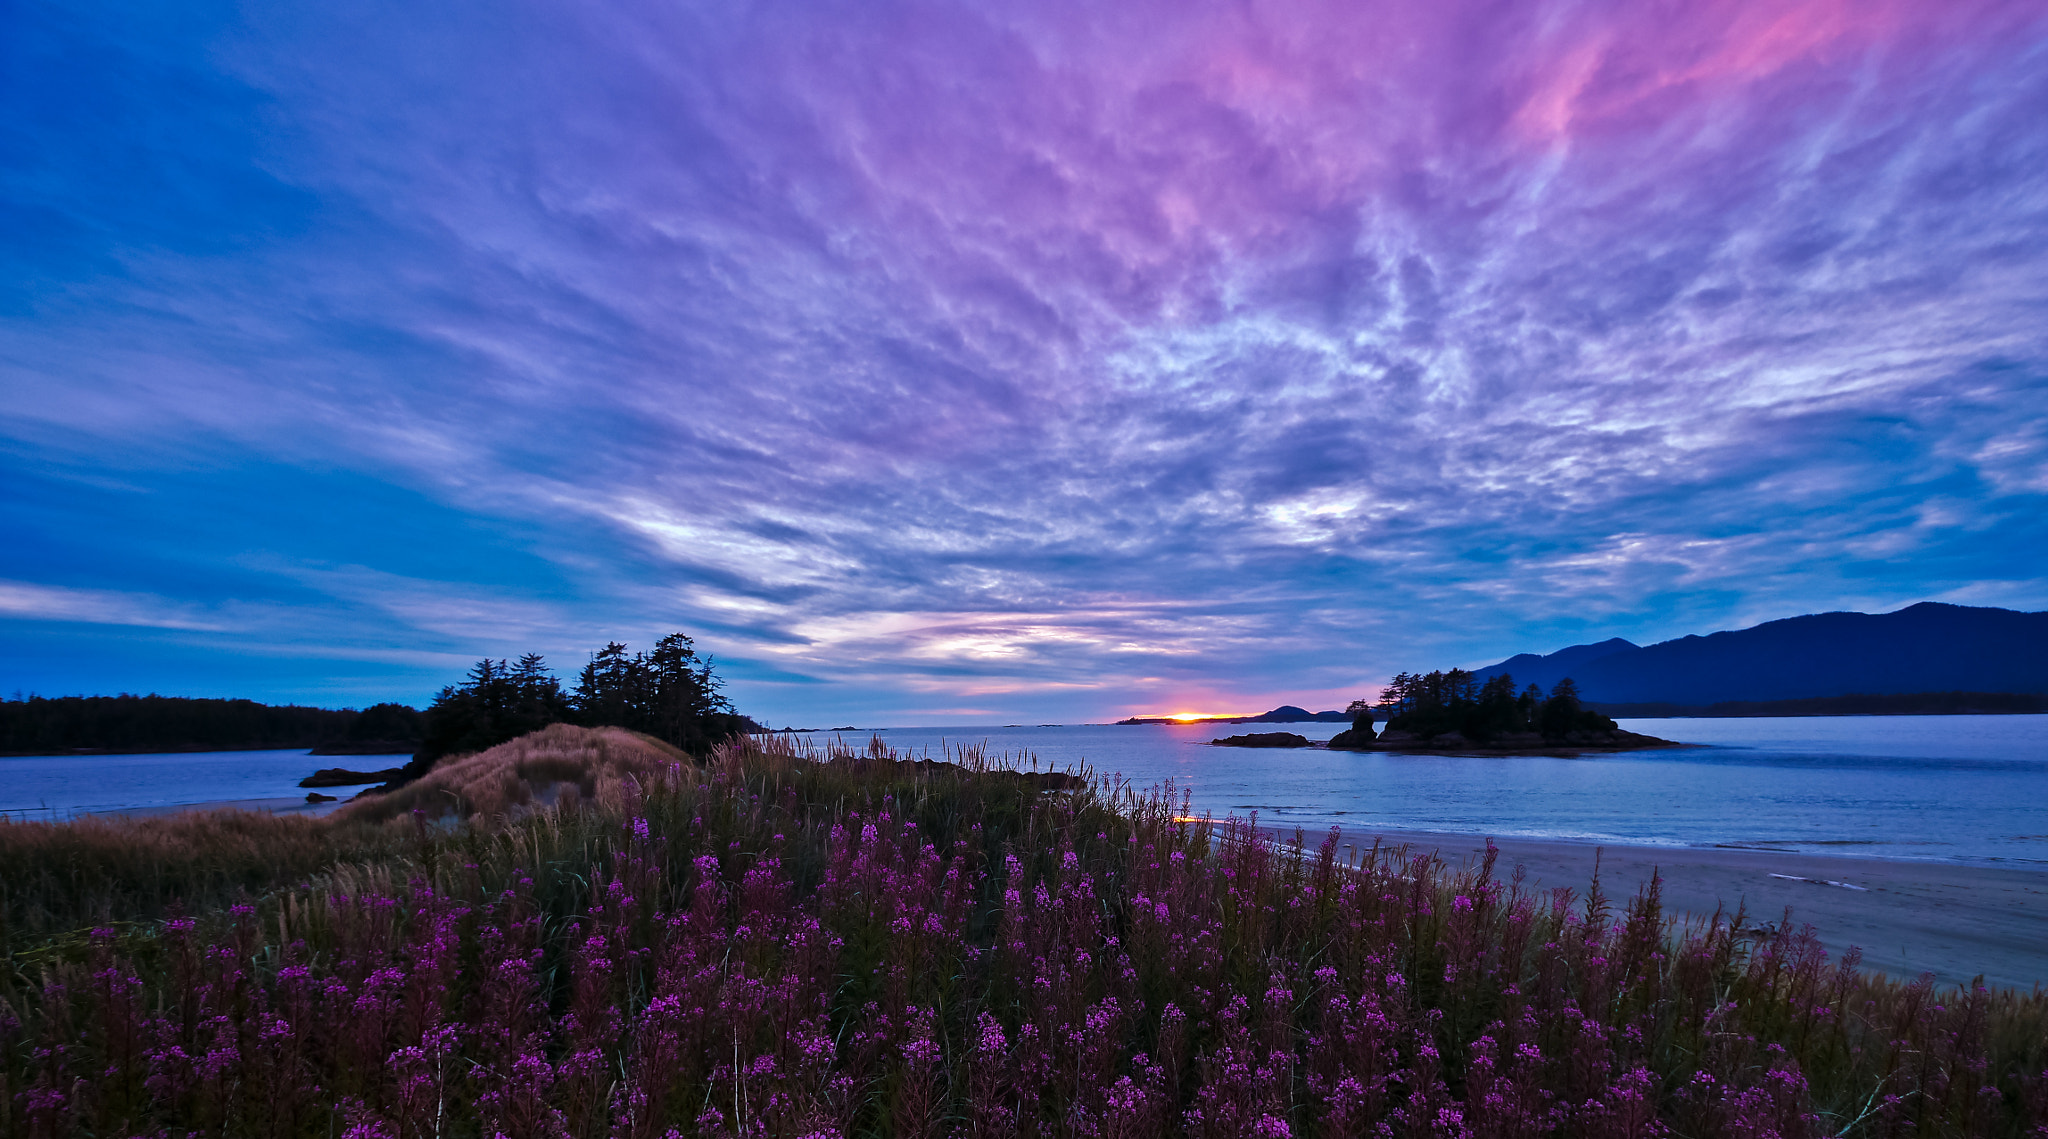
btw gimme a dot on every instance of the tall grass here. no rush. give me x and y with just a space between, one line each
791 942
531 772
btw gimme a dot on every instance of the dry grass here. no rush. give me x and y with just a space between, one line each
57 876
560 765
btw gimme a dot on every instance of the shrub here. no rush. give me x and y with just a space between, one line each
798 943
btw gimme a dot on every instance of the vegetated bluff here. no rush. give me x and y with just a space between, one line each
1929 647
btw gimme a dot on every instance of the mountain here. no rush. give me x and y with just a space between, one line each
1289 714
1546 670
1929 647
1284 714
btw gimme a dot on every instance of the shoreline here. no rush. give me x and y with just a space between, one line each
1474 751
89 753
275 806
1954 920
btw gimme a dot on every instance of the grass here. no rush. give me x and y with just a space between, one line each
794 942
558 765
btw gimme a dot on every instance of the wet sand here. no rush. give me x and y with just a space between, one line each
1954 921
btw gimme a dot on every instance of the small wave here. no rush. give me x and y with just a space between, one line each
1822 882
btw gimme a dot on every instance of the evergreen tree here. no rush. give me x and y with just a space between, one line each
612 688
1561 712
685 705
1361 716
1439 703
671 693
498 701
386 722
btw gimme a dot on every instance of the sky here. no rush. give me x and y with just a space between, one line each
961 363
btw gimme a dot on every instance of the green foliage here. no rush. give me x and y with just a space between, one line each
498 702
1439 703
671 694
388 722
1360 712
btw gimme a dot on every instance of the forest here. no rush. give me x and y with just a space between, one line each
39 725
1439 703
670 692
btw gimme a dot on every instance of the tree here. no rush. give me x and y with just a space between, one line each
498 701
685 706
1564 714
1438 703
611 688
671 693
1361 715
1494 711
1360 732
386 722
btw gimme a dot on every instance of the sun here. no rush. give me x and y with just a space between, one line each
1188 717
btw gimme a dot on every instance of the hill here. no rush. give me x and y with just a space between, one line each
1284 714
1924 648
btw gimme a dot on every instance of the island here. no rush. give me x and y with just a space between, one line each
1284 714
1263 739
1454 713
343 777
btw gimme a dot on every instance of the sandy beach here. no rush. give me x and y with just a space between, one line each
1954 921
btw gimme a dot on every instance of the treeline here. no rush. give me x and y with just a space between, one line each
1439 703
670 693
127 723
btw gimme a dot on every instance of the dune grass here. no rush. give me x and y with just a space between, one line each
795 942
59 877
533 771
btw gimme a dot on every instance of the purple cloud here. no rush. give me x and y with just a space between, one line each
943 360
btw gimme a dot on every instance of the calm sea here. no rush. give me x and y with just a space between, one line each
46 786
1952 788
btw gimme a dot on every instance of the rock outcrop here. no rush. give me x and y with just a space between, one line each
1263 739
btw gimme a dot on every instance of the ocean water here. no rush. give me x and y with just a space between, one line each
1950 788
59 786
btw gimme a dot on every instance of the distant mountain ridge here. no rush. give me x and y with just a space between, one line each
1928 647
1284 714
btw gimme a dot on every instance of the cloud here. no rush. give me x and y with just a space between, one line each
25 601
1068 353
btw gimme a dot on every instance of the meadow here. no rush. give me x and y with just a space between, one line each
586 933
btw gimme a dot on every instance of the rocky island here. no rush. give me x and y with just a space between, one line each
1453 713
1513 743
1263 739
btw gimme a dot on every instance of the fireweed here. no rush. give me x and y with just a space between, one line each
796 943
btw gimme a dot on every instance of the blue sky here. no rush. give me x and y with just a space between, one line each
958 363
